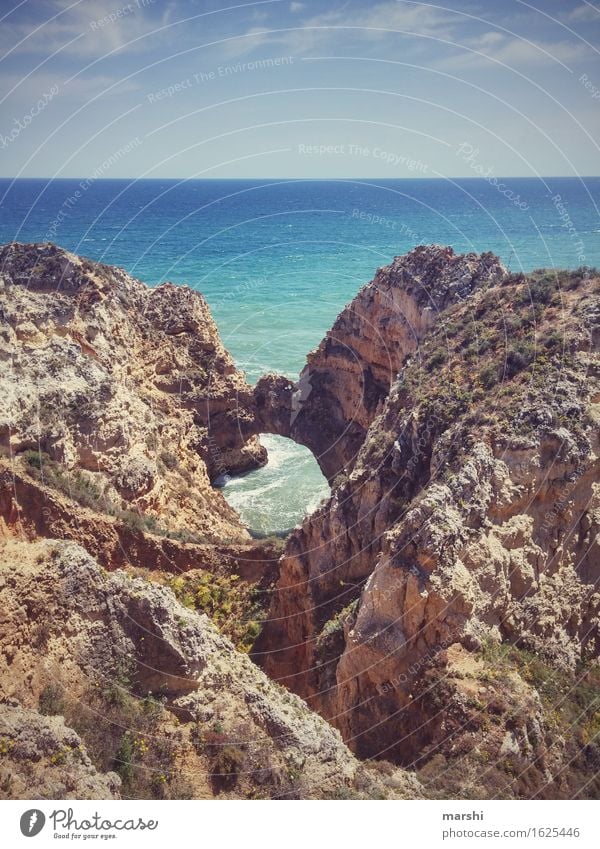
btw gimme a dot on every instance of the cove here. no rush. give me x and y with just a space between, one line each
276 497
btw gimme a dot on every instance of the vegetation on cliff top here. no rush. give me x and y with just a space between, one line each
237 607
491 361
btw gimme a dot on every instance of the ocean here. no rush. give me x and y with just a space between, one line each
277 260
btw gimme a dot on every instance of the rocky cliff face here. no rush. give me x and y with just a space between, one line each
439 612
44 759
102 672
125 393
348 377
118 408
467 517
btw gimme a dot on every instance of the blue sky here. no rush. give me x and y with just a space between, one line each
299 89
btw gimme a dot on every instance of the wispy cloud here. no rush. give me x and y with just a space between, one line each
351 25
93 27
446 37
493 47
455 40
585 12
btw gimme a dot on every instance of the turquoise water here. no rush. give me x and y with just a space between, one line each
277 260
275 498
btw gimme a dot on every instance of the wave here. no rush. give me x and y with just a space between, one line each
279 495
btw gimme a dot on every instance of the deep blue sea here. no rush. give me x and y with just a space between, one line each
278 259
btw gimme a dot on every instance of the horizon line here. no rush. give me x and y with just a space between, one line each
311 179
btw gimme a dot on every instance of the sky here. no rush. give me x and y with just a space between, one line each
318 88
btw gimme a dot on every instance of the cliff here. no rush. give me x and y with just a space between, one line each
439 613
118 409
119 395
348 377
111 688
453 573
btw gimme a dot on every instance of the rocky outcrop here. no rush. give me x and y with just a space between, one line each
440 611
153 691
119 409
124 392
348 377
40 758
31 506
468 517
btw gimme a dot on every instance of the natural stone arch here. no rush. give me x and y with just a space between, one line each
347 379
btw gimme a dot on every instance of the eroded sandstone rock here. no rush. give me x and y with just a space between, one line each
440 610
41 758
154 692
348 377
125 391
467 512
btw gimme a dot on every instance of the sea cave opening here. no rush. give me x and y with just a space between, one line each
273 499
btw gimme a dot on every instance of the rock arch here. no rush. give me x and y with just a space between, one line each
346 380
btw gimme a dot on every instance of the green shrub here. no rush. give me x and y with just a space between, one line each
75 484
539 291
489 376
437 358
235 606
81 487
336 623
122 731
227 766
553 339
116 690
51 701
123 762
518 357
35 459
511 323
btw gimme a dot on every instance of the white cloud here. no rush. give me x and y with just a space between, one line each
585 12
252 39
391 17
80 89
489 39
381 21
94 27
369 28
493 47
